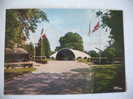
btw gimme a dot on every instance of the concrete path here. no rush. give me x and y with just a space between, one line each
56 77
49 83
59 66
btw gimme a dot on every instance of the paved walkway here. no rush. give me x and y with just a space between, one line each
59 66
56 77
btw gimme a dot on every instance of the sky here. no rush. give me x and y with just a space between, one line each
62 21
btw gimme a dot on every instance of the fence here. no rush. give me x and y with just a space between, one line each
105 60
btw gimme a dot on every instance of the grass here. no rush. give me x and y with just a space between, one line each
106 77
11 73
19 70
83 61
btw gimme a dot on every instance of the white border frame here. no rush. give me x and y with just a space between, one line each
125 5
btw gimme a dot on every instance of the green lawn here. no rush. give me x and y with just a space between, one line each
107 77
19 70
14 72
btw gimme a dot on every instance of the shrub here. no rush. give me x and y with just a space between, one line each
44 61
85 57
78 58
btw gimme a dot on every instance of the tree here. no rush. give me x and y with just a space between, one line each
30 48
93 53
114 20
110 53
19 22
47 48
44 46
71 40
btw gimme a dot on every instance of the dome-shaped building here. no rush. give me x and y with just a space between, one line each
69 54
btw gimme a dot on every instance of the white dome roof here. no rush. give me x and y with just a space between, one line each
54 55
81 54
77 53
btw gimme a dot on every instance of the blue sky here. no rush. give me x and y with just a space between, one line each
62 21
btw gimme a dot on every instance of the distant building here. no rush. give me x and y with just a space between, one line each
69 54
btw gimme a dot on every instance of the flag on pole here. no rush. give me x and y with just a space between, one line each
96 27
42 34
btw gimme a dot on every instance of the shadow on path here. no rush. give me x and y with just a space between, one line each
50 83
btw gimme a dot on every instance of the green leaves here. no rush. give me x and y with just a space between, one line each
19 22
71 40
114 20
43 47
93 53
99 13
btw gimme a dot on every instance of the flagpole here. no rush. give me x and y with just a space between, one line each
100 48
41 45
96 27
41 48
99 44
34 50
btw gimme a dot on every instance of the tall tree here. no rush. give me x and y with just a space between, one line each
110 53
44 46
30 48
114 20
19 22
71 40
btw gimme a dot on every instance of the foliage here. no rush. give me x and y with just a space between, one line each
93 53
10 73
44 47
45 61
52 52
107 77
110 53
30 48
114 20
86 61
71 40
19 23
19 70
